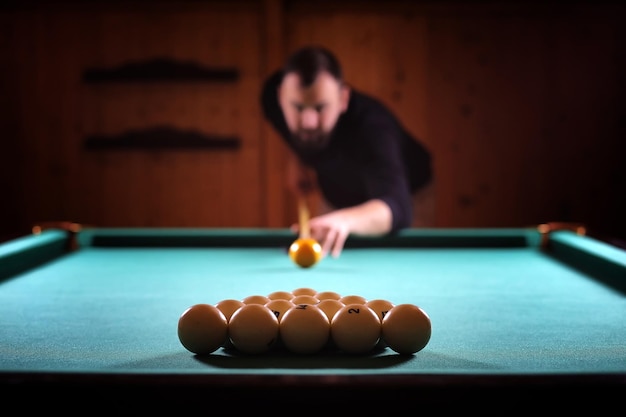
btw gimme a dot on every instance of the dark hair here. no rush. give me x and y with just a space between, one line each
309 61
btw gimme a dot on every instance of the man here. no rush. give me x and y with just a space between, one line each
348 145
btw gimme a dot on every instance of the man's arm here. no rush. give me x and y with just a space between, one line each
371 218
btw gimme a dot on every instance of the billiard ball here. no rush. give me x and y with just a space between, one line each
304 329
353 299
305 299
323 295
330 307
303 291
406 329
381 307
253 329
229 306
256 299
355 328
202 329
305 252
279 307
280 295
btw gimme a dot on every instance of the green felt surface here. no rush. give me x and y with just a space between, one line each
506 309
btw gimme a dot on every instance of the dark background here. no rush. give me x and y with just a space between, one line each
145 113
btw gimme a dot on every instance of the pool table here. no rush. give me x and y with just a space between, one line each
532 317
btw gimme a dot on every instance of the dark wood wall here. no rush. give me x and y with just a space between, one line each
522 105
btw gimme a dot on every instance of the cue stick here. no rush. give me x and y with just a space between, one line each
303 218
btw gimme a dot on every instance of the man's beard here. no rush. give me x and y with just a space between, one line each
311 142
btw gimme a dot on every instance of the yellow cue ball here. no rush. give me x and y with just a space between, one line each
305 252
406 329
202 329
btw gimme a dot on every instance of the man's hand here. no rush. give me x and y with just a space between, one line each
331 230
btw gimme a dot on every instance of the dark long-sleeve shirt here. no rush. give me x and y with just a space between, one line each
369 156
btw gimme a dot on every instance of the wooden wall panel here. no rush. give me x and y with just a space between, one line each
53 46
280 209
512 95
518 103
521 104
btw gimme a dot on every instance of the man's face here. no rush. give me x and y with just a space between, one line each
312 112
